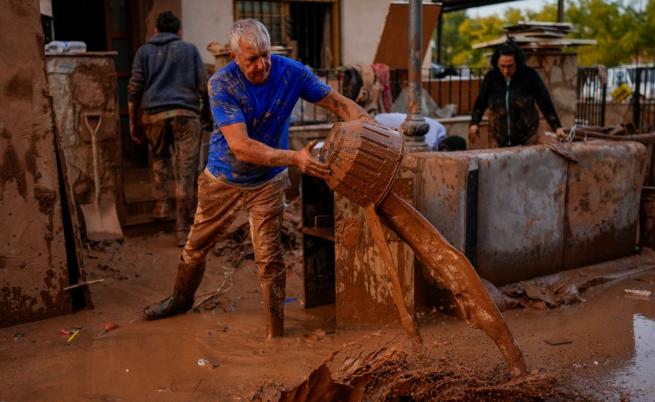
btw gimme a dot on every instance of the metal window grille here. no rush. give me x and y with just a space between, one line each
273 14
591 97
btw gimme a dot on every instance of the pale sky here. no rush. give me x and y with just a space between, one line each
499 9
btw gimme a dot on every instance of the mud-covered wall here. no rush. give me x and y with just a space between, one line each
80 84
363 288
537 213
33 267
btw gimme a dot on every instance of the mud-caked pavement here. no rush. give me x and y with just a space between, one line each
602 348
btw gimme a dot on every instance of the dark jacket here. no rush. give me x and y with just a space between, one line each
167 73
522 94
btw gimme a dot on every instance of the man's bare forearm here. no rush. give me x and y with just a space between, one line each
345 109
258 153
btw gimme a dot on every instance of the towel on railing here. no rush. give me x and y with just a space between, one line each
382 74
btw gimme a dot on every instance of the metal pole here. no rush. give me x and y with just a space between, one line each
415 127
560 10
439 38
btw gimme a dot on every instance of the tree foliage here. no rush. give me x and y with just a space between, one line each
624 31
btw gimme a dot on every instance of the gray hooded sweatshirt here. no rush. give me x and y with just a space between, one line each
167 73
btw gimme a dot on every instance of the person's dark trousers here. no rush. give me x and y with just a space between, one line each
182 136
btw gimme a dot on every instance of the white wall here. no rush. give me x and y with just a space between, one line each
362 22
205 21
45 6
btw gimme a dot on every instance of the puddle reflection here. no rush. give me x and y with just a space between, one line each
637 377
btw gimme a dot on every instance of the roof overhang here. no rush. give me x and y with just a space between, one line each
457 5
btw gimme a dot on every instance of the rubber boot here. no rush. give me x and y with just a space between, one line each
187 282
273 297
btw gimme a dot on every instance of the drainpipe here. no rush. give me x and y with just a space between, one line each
415 127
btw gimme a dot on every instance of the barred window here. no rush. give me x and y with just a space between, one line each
273 14
307 29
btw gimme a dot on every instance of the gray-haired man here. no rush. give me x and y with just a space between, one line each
251 101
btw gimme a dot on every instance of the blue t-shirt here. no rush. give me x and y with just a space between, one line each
264 108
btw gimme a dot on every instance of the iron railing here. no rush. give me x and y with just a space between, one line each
458 87
643 98
594 93
591 97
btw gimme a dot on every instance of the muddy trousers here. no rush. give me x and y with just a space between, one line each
218 206
182 134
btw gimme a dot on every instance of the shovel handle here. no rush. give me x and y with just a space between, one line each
94 148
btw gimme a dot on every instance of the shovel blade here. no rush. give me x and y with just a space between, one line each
101 221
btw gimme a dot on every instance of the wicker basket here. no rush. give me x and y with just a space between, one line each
364 159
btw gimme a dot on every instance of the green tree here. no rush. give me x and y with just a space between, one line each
475 31
450 30
624 31
604 22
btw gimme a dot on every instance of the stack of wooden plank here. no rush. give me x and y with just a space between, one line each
538 36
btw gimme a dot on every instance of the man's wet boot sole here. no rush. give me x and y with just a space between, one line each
166 308
186 283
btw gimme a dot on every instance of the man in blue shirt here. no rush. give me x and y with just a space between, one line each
251 101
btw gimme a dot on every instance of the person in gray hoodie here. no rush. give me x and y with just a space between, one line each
166 93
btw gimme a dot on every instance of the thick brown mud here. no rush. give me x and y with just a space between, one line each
389 369
348 151
607 354
449 268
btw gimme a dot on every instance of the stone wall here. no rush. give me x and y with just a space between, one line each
559 71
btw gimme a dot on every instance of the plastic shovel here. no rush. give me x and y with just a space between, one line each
100 216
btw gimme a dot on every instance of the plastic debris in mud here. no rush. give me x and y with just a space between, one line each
202 362
638 292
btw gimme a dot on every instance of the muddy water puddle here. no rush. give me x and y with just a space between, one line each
637 375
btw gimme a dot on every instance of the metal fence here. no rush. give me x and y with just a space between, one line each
591 97
643 98
460 87
635 86
456 87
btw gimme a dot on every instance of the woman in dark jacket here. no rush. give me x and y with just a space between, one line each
511 91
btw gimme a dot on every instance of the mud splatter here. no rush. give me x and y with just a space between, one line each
354 177
387 372
50 275
20 85
12 170
88 79
46 199
20 8
15 305
31 156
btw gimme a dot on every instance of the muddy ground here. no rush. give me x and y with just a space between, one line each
600 349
